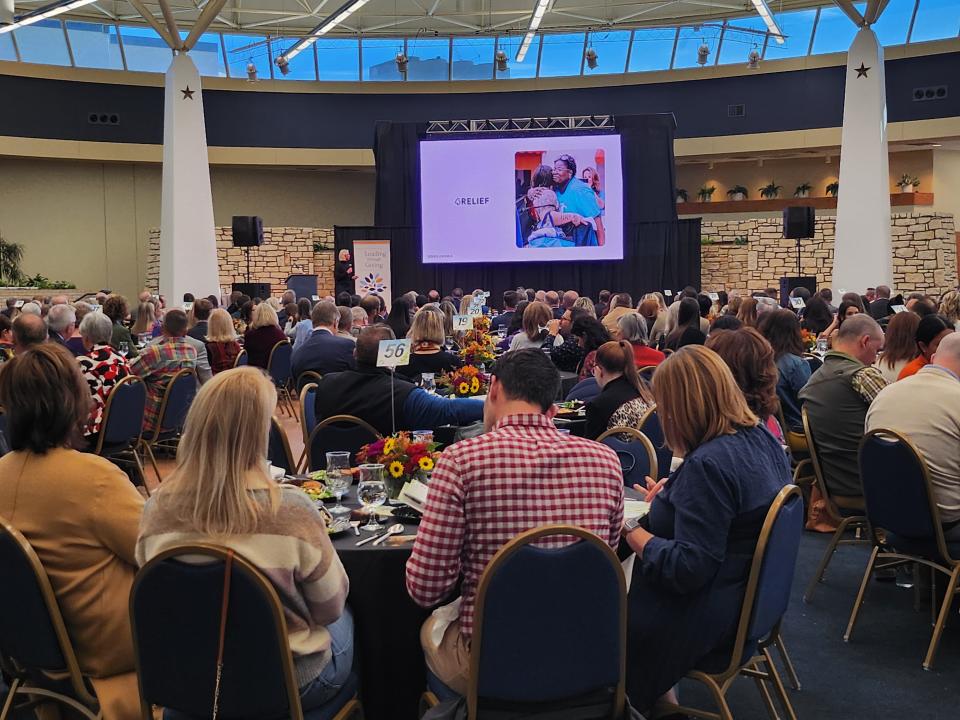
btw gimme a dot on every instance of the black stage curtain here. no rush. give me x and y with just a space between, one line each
659 251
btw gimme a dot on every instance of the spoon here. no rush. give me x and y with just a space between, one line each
355 524
392 530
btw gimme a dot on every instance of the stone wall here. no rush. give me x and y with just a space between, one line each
753 254
285 251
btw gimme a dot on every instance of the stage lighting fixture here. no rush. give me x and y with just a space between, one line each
284 65
401 61
753 59
251 72
501 58
703 52
591 56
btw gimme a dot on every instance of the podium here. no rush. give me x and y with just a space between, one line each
303 286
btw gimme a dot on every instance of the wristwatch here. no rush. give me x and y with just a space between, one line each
631 524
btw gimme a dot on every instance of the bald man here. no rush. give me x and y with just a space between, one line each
28 330
926 409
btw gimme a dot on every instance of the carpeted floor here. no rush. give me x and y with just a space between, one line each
879 674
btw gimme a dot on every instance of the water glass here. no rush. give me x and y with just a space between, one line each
502 332
448 343
821 345
338 481
372 492
124 348
428 382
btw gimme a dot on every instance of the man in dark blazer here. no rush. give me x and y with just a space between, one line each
324 351
201 313
880 308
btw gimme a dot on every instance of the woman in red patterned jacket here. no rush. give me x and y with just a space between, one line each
101 365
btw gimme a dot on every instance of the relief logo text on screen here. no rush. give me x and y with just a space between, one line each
522 199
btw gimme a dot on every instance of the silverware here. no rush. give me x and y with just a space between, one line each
355 524
392 530
372 538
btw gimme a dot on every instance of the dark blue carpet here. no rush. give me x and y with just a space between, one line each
879 674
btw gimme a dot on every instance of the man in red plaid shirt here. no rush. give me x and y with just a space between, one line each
520 474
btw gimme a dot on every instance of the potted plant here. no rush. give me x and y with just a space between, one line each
771 191
833 188
737 192
681 195
908 184
705 194
10 256
803 190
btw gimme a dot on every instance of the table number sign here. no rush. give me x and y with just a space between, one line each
462 322
393 353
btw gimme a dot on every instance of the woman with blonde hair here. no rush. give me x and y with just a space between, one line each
950 308
262 334
343 274
534 334
146 322
220 492
587 304
222 345
695 547
427 354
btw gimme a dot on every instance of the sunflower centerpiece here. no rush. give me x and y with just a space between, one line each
403 458
466 381
478 347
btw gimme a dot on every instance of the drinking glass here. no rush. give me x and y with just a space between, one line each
821 345
124 348
502 332
428 382
372 492
448 343
337 480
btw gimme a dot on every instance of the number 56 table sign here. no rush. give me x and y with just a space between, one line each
392 353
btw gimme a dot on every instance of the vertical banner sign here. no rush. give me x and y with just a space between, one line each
371 263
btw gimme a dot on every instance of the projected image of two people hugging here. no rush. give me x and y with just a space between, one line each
555 206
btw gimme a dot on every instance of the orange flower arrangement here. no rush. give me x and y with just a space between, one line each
465 382
809 340
401 457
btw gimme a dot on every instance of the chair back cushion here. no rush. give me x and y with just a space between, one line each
277 447
654 431
123 419
180 393
242 359
308 406
175 609
339 432
280 358
550 625
27 632
634 459
895 486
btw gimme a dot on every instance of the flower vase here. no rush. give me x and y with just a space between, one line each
394 485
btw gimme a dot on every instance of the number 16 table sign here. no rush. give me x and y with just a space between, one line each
392 353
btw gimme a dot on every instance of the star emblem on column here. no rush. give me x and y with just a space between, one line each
862 70
188 93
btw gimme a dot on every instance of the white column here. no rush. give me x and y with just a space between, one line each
861 256
6 11
188 246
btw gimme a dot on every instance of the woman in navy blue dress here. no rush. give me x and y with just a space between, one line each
695 547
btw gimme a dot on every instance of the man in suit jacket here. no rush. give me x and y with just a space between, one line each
201 313
324 351
880 308
510 300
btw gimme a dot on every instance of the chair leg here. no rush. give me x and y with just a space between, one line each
153 462
302 462
8 703
787 662
721 701
825 560
860 595
765 694
942 619
774 678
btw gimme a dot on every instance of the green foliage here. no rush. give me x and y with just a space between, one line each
10 256
804 188
706 240
682 194
741 240
770 191
907 180
833 188
706 192
44 283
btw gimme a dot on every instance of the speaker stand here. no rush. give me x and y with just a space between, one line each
798 259
247 250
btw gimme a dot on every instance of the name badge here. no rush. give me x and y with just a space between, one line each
393 353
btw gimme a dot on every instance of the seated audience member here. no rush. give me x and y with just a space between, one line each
516 325
79 513
633 329
289 297
371 305
244 317
687 331
620 305
817 316
324 351
926 408
366 393
102 367
28 331
919 303
400 316
345 323
427 354
837 397
782 331
115 308
520 474
292 317
590 334
510 300
568 355
299 333
726 322
433 296
930 332
950 308
847 309
747 314
238 304
61 321
146 322
623 398
695 548
751 360
552 298
536 318
221 492
222 345
706 310
10 310
343 299
899 345
74 342
655 318
6 338
880 307
201 319
160 360
586 304
358 320
603 303
262 334
826 294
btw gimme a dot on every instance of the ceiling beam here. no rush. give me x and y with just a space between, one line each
154 23
875 9
171 21
850 11
210 11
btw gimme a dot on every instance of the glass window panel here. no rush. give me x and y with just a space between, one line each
145 50
338 59
7 51
891 28
473 58
43 42
936 19
301 67
737 43
428 58
689 42
379 59
94 45
519 70
245 49
796 28
835 31
561 55
611 50
651 49
207 55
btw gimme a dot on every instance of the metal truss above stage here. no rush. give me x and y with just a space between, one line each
536 124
